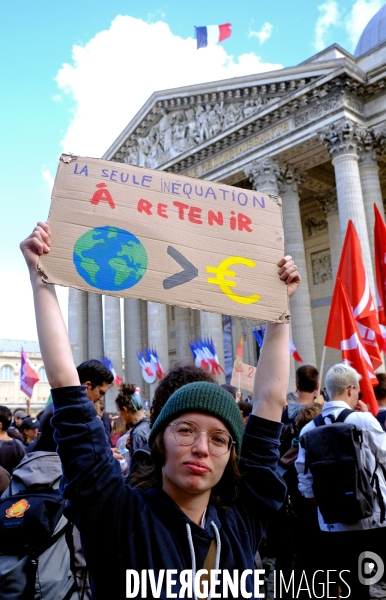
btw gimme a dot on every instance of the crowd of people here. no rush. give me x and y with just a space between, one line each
177 498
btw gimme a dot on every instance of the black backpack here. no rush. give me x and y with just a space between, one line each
344 489
34 539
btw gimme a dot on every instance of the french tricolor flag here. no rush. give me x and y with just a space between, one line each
212 34
294 352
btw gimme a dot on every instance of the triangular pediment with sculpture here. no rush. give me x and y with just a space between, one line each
178 121
178 125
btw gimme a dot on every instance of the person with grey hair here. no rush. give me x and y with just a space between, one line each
341 377
346 542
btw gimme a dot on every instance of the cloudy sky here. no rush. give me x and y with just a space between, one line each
75 73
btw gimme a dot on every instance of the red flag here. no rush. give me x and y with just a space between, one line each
380 263
354 278
351 344
28 376
225 31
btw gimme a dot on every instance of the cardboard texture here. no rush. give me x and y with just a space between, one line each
243 376
131 232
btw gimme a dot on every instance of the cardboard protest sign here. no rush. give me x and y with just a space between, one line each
243 376
126 231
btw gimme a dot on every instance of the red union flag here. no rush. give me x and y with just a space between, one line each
351 344
353 275
28 376
380 263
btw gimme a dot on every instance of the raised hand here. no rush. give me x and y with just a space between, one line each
36 244
288 271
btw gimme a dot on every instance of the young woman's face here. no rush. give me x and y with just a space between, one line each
193 469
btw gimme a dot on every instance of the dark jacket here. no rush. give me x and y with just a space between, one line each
11 453
133 529
139 435
381 418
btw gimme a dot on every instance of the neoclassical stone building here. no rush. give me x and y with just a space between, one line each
10 393
315 134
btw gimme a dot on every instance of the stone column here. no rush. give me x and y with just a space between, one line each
133 340
95 325
268 178
211 327
183 335
196 323
77 324
369 153
329 205
343 142
113 343
157 323
301 315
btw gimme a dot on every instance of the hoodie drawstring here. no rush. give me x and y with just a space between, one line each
193 556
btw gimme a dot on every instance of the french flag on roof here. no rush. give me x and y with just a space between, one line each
211 34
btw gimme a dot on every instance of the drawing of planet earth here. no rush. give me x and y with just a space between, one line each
109 258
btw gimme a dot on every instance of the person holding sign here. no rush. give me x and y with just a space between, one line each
195 519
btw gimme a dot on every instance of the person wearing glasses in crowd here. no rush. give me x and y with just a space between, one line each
205 499
96 377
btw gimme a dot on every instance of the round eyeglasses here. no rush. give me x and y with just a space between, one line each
101 392
186 433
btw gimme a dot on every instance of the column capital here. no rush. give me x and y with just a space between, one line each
372 147
328 203
342 138
291 180
263 174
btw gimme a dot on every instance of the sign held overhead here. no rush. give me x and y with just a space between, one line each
131 232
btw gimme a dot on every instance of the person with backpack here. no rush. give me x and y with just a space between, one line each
40 553
341 467
195 508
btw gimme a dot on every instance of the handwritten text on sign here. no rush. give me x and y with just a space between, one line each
243 376
132 232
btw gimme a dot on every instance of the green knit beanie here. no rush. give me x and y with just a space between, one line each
205 397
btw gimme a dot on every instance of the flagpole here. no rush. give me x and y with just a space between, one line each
322 365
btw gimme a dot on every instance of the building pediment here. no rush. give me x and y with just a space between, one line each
177 128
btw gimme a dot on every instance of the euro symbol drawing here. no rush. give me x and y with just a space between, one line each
222 271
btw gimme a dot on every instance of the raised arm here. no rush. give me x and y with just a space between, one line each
272 373
52 333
